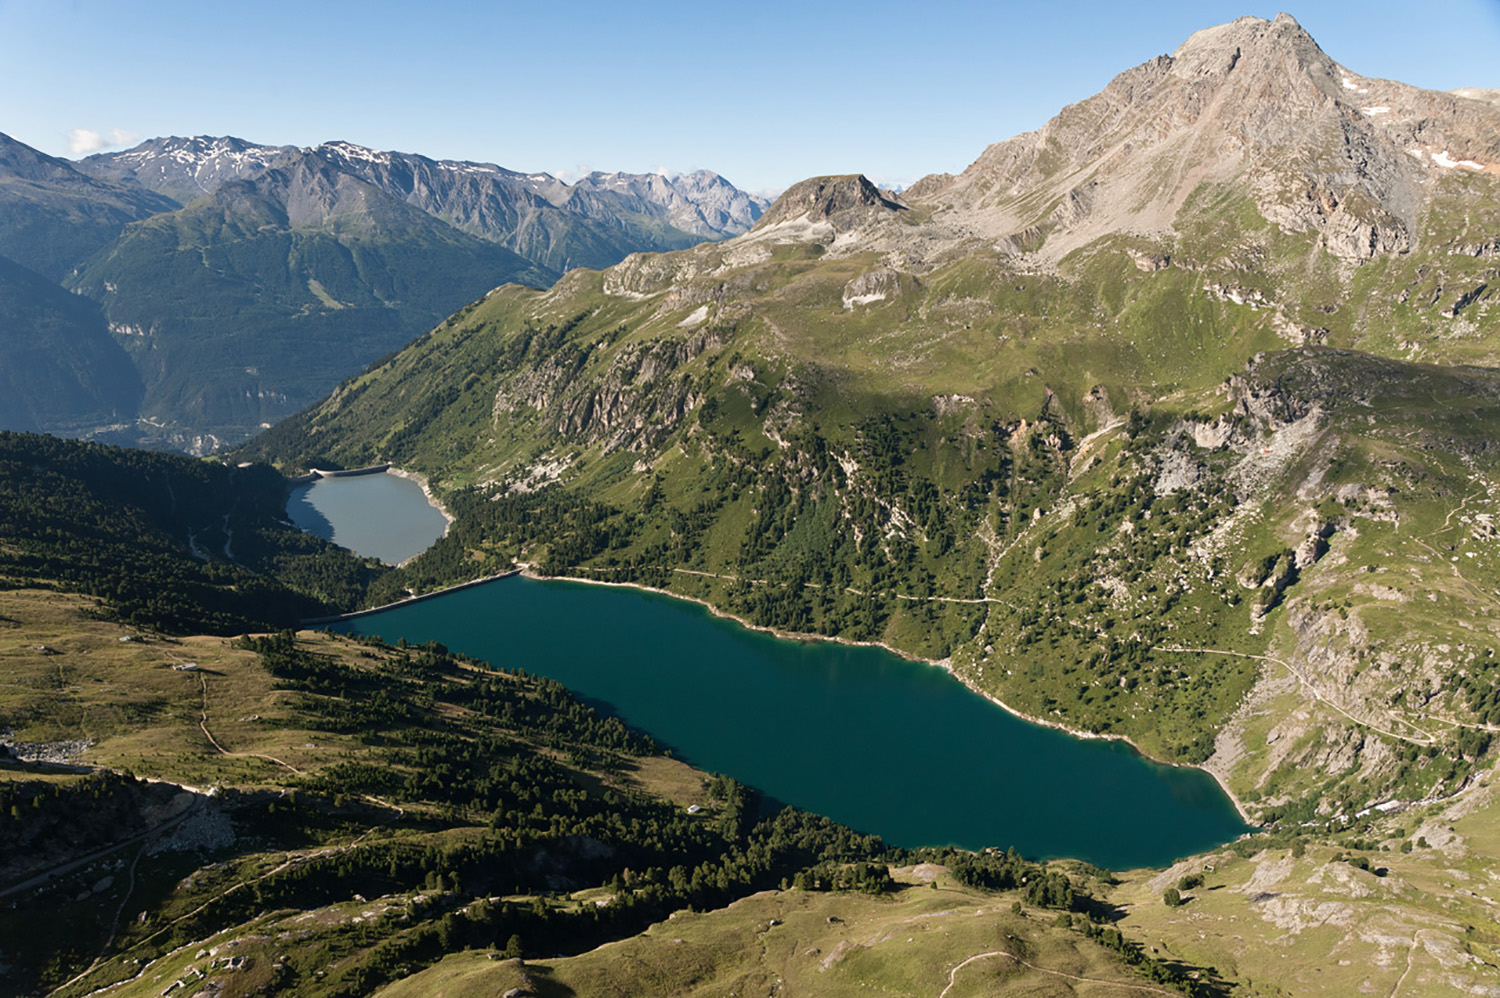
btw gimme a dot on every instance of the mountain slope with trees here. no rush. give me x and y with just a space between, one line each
59 366
244 281
1138 481
166 542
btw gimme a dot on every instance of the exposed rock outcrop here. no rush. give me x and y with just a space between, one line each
843 202
874 285
1252 103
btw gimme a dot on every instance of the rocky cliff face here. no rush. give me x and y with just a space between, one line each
842 203
701 203
635 403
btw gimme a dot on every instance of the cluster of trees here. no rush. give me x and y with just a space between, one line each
38 817
1109 590
1480 683
863 878
992 870
489 533
1195 983
1427 770
494 766
169 543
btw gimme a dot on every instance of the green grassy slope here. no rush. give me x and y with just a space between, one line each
378 808
1105 493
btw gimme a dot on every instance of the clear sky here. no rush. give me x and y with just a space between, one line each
765 93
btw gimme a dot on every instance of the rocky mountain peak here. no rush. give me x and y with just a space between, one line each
1218 50
342 152
1254 105
184 168
841 201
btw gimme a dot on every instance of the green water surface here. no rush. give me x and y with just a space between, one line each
886 746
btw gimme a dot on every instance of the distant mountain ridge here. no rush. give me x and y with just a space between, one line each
184 169
244 280
247 304
591 223
52 215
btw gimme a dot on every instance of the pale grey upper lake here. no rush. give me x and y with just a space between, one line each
886 746
381 516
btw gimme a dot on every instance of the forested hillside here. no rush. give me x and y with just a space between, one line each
171 543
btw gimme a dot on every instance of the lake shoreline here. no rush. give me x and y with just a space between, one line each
432 500
304 486
529 572
944 664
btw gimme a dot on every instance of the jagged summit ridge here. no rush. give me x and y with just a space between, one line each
1250 108
483 199
185 168
1252 102
1217 50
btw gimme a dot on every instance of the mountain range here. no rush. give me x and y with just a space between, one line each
243 281
593 222
1173 421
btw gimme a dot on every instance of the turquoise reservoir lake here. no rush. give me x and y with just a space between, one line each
886 746
381 516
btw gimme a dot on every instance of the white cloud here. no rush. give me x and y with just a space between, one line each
82 141
574 175
889 182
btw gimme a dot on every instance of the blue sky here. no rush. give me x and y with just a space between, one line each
764 93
